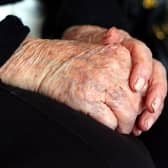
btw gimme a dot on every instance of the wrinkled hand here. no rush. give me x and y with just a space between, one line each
90 78
146 73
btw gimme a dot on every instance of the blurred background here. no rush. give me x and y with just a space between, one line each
145 19
30 11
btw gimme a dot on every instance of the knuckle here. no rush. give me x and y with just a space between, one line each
144 69
139 45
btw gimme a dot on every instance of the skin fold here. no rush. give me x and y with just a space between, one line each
90 78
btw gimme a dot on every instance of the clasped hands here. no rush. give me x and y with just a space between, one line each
106 74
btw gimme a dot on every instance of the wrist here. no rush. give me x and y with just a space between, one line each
13 71
36 61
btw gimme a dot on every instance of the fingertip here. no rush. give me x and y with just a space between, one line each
147 120
136 131
142 121
157 90
110 122
153 100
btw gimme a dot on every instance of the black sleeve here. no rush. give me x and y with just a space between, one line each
12 33
2 2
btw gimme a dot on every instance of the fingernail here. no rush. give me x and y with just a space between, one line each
145 87
156 104
148 124
140 83
138 132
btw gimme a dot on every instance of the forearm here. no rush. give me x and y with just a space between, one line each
36 59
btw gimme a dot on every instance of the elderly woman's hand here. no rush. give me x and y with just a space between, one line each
90 78
146 73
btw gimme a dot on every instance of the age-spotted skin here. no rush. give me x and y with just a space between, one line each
90 78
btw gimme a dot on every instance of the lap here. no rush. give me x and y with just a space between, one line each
156 139
39 132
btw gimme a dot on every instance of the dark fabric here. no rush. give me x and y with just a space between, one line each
65 13
129 15
4 2
38 132
156 139
12 33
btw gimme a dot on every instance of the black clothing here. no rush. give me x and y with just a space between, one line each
37 132
4 2
130 15
12 33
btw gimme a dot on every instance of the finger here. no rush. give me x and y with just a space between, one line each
155 97
102 113
141 63
123 111
136 131
146 119
114 35
157 90
125 123
141 57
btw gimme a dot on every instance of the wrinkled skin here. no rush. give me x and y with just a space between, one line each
91 78
146 73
